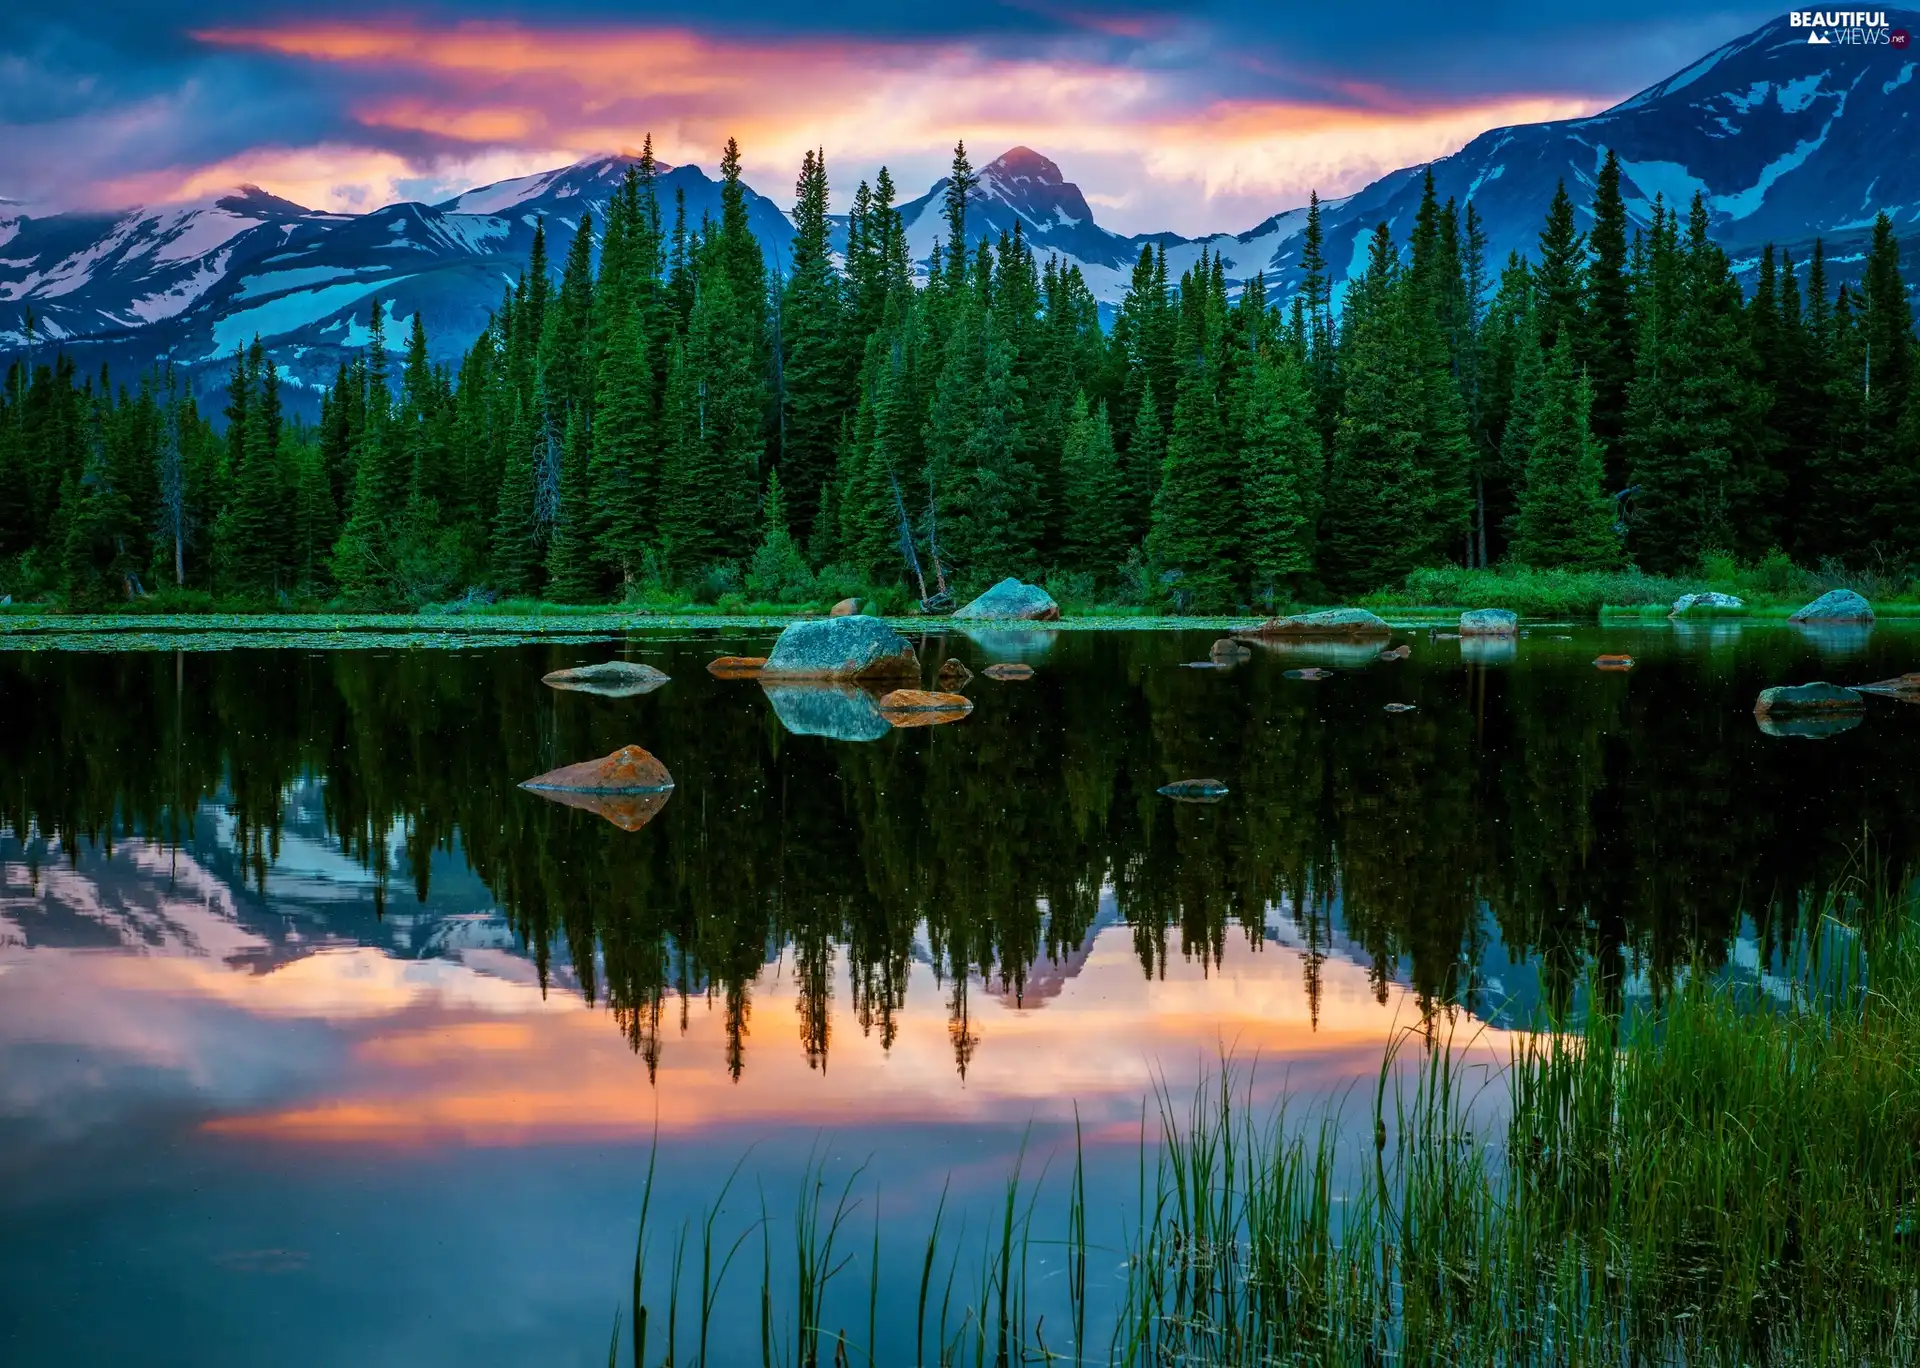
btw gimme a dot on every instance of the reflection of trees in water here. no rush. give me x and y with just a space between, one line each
1574 817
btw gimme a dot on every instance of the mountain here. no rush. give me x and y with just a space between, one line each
1786 139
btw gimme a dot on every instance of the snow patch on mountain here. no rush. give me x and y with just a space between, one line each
297 309
166 303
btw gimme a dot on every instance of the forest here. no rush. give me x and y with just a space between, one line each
662 420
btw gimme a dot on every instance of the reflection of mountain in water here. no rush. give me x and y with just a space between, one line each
1525 822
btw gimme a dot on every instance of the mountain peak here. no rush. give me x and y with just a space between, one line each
1018 164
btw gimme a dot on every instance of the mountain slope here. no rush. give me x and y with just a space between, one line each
1785 139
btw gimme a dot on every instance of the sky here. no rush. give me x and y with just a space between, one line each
1190 117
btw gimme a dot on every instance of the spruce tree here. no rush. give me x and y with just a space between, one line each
570 561
1607 337
624 472
1566 518
1282 466
1092 493
777 572
813 372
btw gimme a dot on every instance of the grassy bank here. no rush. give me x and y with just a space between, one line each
1731 1177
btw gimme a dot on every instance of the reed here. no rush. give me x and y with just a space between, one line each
1730 1176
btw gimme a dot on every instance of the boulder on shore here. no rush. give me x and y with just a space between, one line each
627 788
1012 599
1194 790
1836 605
846 607
1709 602
1488 622
1332 622
1008 671
610 679
854 647
923 708
736 667
953 675
1817 697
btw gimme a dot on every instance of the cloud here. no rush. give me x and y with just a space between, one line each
1195 118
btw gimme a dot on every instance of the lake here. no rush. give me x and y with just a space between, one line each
322 1042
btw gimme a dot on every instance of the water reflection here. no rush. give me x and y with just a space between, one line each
1539 814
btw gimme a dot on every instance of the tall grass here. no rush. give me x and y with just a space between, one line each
1729 1176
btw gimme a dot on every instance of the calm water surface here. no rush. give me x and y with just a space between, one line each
323 1043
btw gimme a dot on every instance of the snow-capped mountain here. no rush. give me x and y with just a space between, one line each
1786 139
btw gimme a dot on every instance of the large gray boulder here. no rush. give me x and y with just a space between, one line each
855 647
1012 599
1836 605
1495 622
1333 622
611 679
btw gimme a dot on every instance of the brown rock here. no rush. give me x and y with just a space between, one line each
920 708
1400 652
1008 672
627 788
1227 651
736 667
844 608
1617 663
953 675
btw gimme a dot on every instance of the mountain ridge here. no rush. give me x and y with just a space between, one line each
1784 140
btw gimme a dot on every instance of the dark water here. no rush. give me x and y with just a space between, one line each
322 1042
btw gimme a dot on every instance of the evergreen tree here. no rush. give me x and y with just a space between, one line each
1607 336
813 371
777 573
570 563
1093 494
1565 517
624 472
1282 469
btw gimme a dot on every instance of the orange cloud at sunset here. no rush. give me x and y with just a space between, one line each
524 98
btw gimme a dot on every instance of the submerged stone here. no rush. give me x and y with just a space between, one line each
1904 687
1227 651
1488 622
1194 790
1400 652
1836 605
856 647
1007 671
1817 697
1012 599
1613 662
1311 672
1332 622
1400 707
953 675
837 712
610 679
736 667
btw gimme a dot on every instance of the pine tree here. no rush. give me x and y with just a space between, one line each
624 473
570 563
1092 492
813 372
1282 465
777 573
1565 516
100 526
1197 509
1559 278
1607 335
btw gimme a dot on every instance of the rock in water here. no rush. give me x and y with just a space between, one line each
838 712
1334 622
1710 603
612 679
1204 665
921 708
855 647
1007 672
1904 687
627 788
1613 662
953 675
844 608
1817 697
1838 605
1400 707
1194 790
1488 622
1311 672
1400 652
1012 599
736 667
1227 651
